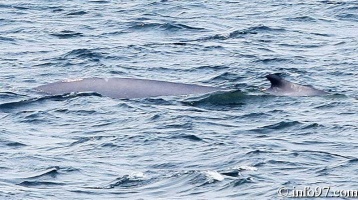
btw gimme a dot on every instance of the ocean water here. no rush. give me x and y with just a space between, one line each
242 144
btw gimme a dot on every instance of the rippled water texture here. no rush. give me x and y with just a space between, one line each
241 144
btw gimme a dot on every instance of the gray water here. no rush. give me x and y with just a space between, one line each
241 144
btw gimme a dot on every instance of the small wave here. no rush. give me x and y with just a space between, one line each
84 54
57 9
82 140
187 137
15 144
235 172
242 181
348 17
28 102
128 181
301 19
241 33
277 126
39 179
272 60
99 1
6 95
246 168
21 7
50 172
76 13
226 76
201 178
162 26
7 39
66 34
313 125
40 183
330 2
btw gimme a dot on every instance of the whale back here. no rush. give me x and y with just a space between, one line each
124 88
282 87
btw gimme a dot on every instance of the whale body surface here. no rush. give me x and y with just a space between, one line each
282 87
126 88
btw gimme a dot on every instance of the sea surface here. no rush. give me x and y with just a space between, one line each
240 144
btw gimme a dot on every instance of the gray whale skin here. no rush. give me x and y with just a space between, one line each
126 88
282 87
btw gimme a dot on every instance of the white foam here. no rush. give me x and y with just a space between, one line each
214 175
137 175
72 80
246 167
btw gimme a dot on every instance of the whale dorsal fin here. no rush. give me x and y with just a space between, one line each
282 87
276 80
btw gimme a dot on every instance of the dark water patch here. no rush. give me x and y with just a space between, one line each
67 34
155 117
303 46
258 152
99 1
40 100
277 126
337 167
10 95
35 117
21 7
348 17
313 126
56 10
181 124
88 54
329 105
226 76
330 2
180 43
301 19
323 34
127 181
15 144
40 184
242 33
7 39
5 5
273 60
233 98
51 172
255 115
157 101
76 13
231 173
162 26
175 27
82 140
242 181
322 155
39 180
165 165
190 137
282 162
109 145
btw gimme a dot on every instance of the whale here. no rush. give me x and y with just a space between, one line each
125 88
128 88
282 87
